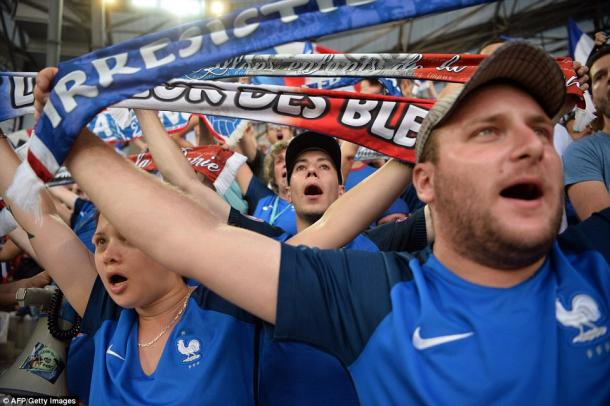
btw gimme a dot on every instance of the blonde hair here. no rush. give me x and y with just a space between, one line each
268 172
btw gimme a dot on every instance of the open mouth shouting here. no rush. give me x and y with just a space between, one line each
117 283
523 191
527 193
313 191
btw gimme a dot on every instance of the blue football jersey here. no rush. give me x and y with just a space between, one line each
297 373
278 212
269 207
208 357
84 222
411 331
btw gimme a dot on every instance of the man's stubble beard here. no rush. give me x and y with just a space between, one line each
603 105
474 233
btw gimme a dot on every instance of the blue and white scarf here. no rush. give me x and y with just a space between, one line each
87 84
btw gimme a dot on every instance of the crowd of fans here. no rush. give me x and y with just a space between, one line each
447 281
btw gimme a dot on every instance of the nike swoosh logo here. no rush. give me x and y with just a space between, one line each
423 343
110 352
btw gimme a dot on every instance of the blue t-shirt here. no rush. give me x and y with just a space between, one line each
83 222
269 207
296 373
411 331
404 235
361 242
588 159
208 357
357 175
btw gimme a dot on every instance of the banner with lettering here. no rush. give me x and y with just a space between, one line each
217 164
87 84
226 104
341 69
386 124
16 94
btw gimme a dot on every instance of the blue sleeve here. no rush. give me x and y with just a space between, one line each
79 206
258 226
591 234
256 191
258 164
208 300
411 199
100 308
408 235
362 243
83 222
335 299
581 163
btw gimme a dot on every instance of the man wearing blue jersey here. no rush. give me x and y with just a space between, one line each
313 172
496 310
499 309
293 373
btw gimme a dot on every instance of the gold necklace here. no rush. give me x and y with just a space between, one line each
171 323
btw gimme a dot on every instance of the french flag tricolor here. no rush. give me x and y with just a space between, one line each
581 44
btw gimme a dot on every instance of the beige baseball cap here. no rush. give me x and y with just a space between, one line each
527 66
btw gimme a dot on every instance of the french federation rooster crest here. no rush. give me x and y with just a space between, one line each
582 316
191 350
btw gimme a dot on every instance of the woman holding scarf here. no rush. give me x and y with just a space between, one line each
157 340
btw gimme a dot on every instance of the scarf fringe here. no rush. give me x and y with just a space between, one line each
7 222
228 173
25 190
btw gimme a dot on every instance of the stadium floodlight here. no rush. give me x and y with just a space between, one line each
217 8
183 8
145 3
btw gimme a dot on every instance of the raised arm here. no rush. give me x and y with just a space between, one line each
9 250
243 178
349 215
64 195
247 143
174 166
348 153
588 197
21 241
62 210
176 231
57 248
